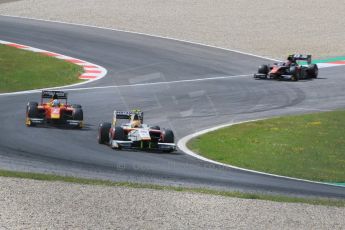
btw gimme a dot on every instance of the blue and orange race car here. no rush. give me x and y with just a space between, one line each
291 69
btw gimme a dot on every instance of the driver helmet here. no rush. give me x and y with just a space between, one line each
136 123
55 103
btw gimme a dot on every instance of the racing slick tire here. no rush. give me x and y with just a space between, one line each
78 114
294 73
168 136
263 69
119 134
32 110
312 71
103 133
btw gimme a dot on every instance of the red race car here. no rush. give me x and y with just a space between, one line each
291 69
52 111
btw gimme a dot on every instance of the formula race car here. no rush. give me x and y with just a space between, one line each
127 130
52 111
291 69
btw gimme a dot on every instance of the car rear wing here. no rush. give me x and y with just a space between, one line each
54 94
126 115
301 57
49 94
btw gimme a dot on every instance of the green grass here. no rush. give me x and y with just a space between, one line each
308 146
275 198
25 70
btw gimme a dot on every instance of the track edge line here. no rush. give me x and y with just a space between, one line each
182 145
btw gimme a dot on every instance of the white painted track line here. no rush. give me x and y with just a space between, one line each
182 145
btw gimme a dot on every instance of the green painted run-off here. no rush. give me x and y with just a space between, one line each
339 184
327 60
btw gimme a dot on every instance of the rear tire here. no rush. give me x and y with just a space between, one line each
103 132
312 71
119 134
168 136
32 110
78 114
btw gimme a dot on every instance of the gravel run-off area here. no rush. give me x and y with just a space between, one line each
38 204
272 28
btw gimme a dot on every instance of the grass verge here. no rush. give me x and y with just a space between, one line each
25 70
276 198
307 146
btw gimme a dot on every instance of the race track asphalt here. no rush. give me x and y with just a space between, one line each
133 61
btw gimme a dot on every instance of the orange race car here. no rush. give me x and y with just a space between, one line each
52 111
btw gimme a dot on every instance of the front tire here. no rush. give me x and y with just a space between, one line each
263 69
